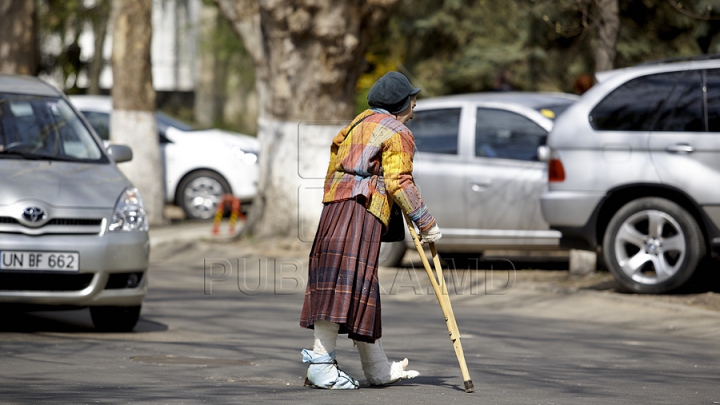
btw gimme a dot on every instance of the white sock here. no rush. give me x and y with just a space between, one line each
378 370
325 337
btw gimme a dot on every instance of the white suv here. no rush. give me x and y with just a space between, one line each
634 168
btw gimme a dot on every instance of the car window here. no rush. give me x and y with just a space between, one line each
436 131
713 100
507 135
633 106
683 110
100 122
43 127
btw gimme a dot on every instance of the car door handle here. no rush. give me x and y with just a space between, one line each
479 186
681 148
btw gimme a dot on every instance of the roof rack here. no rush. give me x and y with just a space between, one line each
681 59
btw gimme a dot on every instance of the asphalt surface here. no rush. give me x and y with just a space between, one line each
207 336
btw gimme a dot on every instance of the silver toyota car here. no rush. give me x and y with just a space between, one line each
479 171
634 171
73 230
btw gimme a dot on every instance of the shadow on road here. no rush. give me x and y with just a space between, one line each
71 321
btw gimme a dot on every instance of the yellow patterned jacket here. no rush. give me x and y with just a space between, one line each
375 160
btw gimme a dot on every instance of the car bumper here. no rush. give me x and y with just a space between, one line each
574 214
108 263
569 208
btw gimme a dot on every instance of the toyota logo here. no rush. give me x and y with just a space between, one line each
34 214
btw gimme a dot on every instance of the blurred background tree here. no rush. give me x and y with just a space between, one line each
60 23
18 52
445 46
460 46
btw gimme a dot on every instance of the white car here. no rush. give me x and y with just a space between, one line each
200 166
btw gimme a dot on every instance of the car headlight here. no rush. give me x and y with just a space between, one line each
246 157
129 215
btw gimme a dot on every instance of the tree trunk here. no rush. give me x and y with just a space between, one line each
101 14
308 56
607 33
17 37
133 117
211 72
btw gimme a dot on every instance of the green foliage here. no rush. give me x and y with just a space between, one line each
458 46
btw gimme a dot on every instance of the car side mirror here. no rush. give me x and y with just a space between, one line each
120 153
543 153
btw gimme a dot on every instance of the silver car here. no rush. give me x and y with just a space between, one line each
479 173
634 168
73 230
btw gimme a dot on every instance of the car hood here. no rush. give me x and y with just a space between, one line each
62 184
214 137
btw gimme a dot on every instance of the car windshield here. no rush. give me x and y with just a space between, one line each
39 127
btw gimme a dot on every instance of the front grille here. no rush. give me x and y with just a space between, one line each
74 222
59 221
44 282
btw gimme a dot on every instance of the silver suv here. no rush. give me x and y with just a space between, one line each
73 229
634 169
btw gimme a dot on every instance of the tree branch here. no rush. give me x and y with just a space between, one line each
691 14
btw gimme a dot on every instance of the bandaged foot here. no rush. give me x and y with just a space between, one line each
378 370
323 372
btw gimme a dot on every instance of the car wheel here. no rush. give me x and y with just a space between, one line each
200 193
652 245
391 254
115 319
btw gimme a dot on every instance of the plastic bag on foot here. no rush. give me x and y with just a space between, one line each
323 372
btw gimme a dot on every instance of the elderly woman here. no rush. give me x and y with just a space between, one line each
371 163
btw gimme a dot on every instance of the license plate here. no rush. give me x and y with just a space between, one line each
25 260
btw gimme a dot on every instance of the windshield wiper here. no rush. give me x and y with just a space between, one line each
33 156
12 152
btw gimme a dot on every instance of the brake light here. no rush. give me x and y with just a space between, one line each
556 172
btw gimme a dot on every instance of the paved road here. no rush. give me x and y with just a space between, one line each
523 345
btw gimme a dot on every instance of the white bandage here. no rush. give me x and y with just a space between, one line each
325 337
378 370
431 235
323 371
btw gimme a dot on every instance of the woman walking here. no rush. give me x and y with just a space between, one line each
371 163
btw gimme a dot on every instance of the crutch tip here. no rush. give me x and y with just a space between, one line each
469 387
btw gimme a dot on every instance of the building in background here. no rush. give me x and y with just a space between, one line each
199 69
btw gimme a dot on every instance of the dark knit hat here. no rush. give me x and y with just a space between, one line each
392 92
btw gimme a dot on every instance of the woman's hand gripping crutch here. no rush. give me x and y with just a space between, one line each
438 283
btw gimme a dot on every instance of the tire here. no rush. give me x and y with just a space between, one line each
200 192
115 319
652 246
391 254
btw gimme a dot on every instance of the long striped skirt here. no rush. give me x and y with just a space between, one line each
342 279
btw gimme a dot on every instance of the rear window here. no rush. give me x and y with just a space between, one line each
38 127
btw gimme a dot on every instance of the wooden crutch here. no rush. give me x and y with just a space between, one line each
439 286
